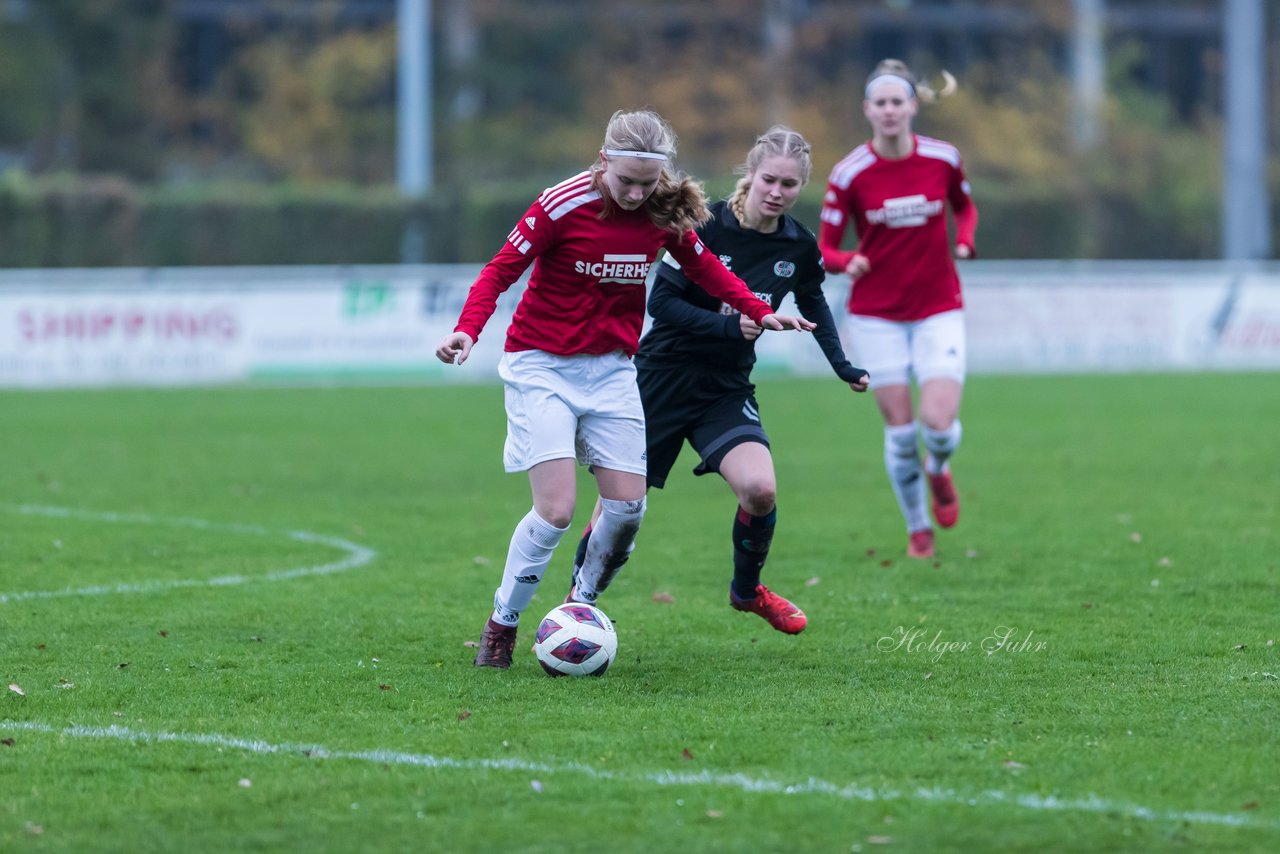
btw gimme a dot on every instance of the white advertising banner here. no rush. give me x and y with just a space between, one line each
1129 317
92 338
1068 325
222 326
231 325
1245 332
1028 317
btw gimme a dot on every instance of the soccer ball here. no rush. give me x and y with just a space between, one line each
575 640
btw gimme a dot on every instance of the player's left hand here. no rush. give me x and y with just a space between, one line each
963 251
750 329
786 321
857 378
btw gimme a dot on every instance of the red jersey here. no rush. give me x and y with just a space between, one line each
586 293
898 210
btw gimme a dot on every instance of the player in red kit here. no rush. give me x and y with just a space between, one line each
570 385
905 309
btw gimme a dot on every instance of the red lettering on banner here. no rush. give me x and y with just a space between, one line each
1253 334
102 324
132 323
176 325
105 325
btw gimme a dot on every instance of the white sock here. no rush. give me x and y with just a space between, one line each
941 444
612 538
530 551
902 462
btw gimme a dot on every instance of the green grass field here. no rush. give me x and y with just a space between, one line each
238 621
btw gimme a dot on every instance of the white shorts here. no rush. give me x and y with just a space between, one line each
577 407
895 351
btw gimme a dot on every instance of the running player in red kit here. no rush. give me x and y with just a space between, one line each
905 309
570 385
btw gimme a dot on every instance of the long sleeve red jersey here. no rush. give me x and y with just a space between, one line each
586 293
898 210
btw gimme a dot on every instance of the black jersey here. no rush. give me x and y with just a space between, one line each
692 328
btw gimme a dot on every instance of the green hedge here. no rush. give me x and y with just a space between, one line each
109 223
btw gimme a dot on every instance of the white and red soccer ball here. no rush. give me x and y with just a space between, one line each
575 640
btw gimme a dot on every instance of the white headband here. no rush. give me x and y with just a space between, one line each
911 90
647 155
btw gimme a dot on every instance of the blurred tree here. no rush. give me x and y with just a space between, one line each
1158 167
520 112
305 94
86 84
323 110
31 92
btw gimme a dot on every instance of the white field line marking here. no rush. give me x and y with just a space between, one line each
356 555
812 786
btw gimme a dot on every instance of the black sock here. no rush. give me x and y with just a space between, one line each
581 555
752 536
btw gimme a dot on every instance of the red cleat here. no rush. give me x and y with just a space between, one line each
781 614
943 499
920 544
496 645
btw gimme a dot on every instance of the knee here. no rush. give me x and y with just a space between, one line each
758 497
937 413
938 422
558 514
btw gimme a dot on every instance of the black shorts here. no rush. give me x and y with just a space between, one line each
713 410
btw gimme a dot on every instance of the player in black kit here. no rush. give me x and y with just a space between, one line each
694 365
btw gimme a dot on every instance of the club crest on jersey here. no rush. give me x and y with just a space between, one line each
617 269
785 269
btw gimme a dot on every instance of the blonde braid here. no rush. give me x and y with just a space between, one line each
738 201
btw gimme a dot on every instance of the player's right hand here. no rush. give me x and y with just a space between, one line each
859 266
750 329
455 348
